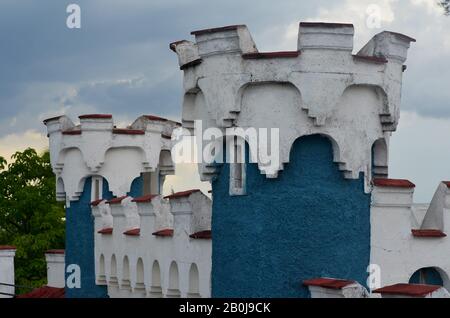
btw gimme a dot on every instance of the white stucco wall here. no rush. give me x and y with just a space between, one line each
7 254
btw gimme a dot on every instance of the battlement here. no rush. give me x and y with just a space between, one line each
96 147
149 230
405 236
321 88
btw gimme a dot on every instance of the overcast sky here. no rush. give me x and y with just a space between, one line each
119 62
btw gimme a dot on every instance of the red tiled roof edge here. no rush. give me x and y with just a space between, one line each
45 121
127 131
145 198
325 25
181 194
414 290
44 292
95 116
133 232
97 202
395 183
55 251
7 247
219 29
164 233
117 200
268 55
427 233
201 235
106 230
331 283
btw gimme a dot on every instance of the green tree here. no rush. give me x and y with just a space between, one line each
30 217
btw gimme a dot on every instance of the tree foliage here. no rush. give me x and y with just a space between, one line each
30 217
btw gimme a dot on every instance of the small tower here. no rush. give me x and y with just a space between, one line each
96 161
334 112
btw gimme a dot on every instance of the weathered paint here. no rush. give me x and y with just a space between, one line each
309 222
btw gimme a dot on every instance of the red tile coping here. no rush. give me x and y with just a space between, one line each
72 132
427 233
325 25
447 183
7 247
126 131
133 232
145 198
59 251
190 64
374 59
95 116
44 292
328 282
51 119
97 202
107 230
201 235
156 118
181 194
164 233
220 29
414 290
396 183
269 55
117 200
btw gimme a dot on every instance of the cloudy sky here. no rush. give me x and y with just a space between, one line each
119 63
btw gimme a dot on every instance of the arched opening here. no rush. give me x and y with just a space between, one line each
428 276
113 272
194 288
173 291
380 159
125 283
155 289
101 278
140 279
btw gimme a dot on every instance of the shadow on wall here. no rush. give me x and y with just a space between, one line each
309 222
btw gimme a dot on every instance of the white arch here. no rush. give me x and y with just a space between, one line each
101 278
173 291
125 283
113 272
155 289
194 282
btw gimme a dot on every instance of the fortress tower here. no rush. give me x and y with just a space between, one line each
95 162
275 227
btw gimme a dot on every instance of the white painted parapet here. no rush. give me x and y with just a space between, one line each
407 237
321 88
7 254
55 268
335 288
154 246
96 147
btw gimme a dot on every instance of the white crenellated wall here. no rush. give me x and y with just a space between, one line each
319 89
97 148
144 264
406 237
55 268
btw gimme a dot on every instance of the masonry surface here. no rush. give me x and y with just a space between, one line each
309 222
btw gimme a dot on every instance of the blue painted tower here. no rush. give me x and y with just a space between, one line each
316 124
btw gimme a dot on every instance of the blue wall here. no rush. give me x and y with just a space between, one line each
309 222
80 239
